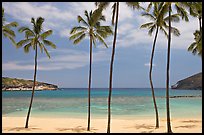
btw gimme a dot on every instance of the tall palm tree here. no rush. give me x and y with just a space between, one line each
159 23
92 28
6 29
181 10
34 38
115 16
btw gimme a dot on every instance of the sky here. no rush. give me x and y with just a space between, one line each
69 63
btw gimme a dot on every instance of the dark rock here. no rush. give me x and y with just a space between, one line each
192 83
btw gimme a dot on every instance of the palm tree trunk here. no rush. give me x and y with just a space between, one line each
200 24
150 78
200 30
167 76
89 89
31 101
111 68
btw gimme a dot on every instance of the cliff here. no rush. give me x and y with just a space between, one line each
21 84
193 82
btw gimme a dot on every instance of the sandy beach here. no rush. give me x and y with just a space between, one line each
98 125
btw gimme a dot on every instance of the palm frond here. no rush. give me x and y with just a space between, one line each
76 35
102 5
78 28
149 6
147 25
49 43
134 5
45 34
22 29
101 39
47 53
174 18
80 19
164 31
94 42
102 18
23 42
151 29
76 41
33 21
8 32
175 31
12 24
13 41
41 46
28 34
96 16
104 31
27 47
148 15
38 25
182 12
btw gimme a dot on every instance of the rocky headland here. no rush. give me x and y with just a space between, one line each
9 84
193 82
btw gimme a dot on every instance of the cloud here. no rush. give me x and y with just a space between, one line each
63 59
61 17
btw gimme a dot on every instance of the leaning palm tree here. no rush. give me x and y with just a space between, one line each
159 23
180 7
6 29
196 46
115 16
93 29
34 38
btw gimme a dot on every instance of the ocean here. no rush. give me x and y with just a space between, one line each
126 102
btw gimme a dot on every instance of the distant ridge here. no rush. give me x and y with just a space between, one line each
193 82
22 84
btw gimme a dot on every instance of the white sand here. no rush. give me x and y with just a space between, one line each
99 125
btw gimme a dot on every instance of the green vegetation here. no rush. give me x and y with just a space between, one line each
15 82
181 10
196 46
161 16
6 29
34 38
159 22
115 16
95 31
22 83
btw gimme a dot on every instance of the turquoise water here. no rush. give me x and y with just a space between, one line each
127 102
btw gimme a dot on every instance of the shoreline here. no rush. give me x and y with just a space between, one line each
99 125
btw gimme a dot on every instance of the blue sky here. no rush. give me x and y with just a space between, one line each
69 64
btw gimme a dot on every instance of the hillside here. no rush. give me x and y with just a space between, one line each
22 84
193 82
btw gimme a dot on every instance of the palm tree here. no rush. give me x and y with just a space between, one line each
180 8
92 28
196 11
34 38
115 16
158 22
6 29
196 46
